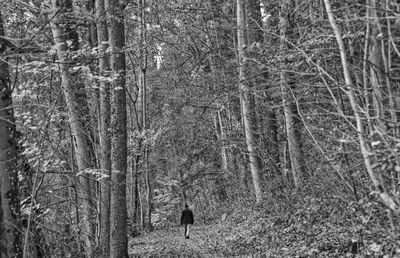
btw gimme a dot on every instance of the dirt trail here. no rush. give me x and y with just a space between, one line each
203 242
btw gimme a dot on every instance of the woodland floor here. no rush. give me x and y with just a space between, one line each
212 241
203 242
316 227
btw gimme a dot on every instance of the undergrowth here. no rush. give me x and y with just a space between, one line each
311 223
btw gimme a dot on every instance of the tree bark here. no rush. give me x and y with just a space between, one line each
105 138
133 120
266 121
143 85
116 30
92 91
254 23
272 145
290 111
8 164
365 67
3 236
220 133
245 101
376 63
218 122
75 96
254 38
389 64
135 194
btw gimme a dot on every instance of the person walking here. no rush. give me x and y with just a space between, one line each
187 219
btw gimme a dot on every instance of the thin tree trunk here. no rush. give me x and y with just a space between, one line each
365 69
135 158
93 93
92 26
376 63
388 72
218 124
142 220
245 101
267 120
240 166
135 193
148 189
118 240
292 132
8 163
77 108
143 83
105 137
224 154
365 150
254 38
3 236
393 91
254 23
271 134
213 83
220 132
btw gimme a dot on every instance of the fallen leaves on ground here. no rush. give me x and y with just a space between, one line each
298 226
204 241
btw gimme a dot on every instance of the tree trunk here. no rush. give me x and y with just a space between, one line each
272 145
214 83
3 236
116 29
290 110
92 90
148 189
105 138
254 38
135 195
245 101
267 121
8 164
365 67
74 92
143 85
220 133
134 123
376 63
389 67
369 158
254 23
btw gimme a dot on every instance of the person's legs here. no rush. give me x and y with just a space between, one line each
187 230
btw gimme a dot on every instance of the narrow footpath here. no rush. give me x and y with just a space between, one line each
205 241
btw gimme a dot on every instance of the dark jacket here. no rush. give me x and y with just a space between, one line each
187 217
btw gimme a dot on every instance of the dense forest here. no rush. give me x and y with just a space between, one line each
276 121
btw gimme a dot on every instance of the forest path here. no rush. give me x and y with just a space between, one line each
204 242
